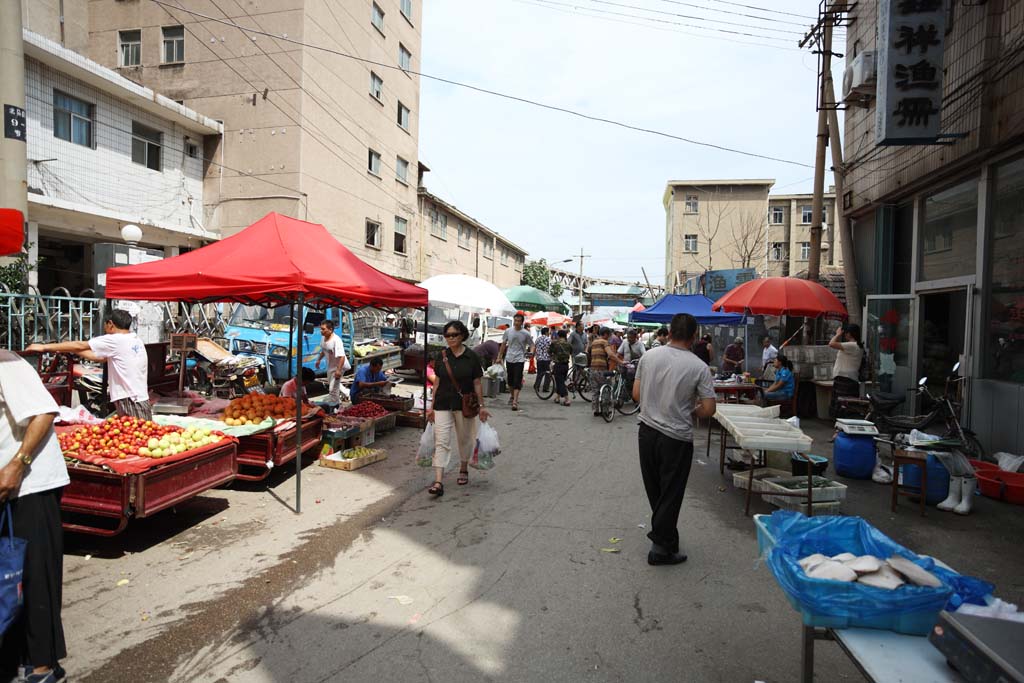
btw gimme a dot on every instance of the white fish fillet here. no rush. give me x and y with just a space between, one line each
885 577
811 560
844 557
830 569
865 564
914 574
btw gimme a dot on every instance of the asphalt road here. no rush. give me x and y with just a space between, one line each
506 579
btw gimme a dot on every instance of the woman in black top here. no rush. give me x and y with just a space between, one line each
452 430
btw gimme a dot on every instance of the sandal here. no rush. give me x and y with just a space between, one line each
436 489
515 406
463 478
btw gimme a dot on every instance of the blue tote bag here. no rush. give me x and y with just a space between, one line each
12 564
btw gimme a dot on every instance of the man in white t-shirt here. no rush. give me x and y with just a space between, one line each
334 350
32 474
126 359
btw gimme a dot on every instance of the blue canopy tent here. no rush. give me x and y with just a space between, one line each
697 305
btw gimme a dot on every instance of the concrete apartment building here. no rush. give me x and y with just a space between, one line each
307 133
104 152
939 228
726 224
454 242
789 234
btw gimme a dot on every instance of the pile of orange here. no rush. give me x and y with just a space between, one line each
255 408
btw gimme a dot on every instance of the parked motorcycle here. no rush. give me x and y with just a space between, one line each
227 376
943 409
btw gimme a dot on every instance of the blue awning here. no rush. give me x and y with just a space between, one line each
697 305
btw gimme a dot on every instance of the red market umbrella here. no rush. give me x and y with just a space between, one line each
548 319
638 307
781 296
12 231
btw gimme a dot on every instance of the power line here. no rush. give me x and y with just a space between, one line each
495 93
670 23
584 12
696 17
739 14
760 9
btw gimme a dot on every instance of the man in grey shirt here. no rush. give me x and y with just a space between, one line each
672 385
578 339
516 343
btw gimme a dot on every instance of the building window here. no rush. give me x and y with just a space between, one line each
949 232
806 214
402 170
805 251
72 119
519 262
404 57
438 224
690 244
376 87
400 230
778 215
465 237
373 162
146 144
372 234
377 17
406 6
1004 319
130 43
488 248
191 150
504 256
174 44
778 251
692 204
403 116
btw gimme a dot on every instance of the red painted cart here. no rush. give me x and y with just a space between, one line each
275 447
96 494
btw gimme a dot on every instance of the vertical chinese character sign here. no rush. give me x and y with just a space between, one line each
14 122
911 42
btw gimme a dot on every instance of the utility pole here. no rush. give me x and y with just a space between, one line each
817 205
579 282
13 149
842 222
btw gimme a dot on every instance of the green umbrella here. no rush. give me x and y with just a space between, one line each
527 298
623 319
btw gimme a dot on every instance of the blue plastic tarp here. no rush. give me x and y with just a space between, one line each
697 305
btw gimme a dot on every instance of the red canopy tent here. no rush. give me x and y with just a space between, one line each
275 261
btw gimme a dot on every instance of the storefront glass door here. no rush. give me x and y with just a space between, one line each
888 331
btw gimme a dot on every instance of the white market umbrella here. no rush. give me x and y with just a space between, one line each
468 294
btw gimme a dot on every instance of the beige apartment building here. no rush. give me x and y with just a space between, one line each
454 242
308 132
789 234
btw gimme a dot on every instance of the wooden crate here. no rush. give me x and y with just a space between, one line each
355 464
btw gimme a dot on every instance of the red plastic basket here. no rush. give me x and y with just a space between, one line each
982 466
1004 486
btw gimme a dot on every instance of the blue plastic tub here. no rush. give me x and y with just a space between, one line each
854 456
938 480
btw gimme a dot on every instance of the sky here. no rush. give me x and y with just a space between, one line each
554 183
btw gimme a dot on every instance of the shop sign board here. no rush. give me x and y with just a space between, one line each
911 44
14 122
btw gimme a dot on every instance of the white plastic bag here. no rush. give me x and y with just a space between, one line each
495 372
487 440
1009 462
425 454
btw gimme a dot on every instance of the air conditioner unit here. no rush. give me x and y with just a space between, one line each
860 77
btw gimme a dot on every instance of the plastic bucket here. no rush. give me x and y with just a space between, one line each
854 456
938 480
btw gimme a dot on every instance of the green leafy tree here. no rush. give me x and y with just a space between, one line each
537 274
14 274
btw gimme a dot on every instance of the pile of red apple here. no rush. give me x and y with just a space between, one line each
121 437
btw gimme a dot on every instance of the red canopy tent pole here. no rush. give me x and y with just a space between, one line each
298 403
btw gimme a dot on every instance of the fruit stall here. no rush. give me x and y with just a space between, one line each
308 268
261 451
124 468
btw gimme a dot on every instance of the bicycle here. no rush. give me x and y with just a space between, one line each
544 386
616 395
578 380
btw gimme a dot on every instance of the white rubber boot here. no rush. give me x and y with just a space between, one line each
955 492
968 485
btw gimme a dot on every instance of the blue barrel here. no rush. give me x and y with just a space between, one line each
854 456
938 480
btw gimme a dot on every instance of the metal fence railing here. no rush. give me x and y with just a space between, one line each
29 318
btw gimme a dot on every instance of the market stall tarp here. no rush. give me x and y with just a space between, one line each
697 305
527 298
271 262
470 294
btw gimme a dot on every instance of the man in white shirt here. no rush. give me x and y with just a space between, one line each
516 345
334 350
126 359
768 355
631 349
32 474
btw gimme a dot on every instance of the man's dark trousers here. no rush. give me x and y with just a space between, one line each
665 465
